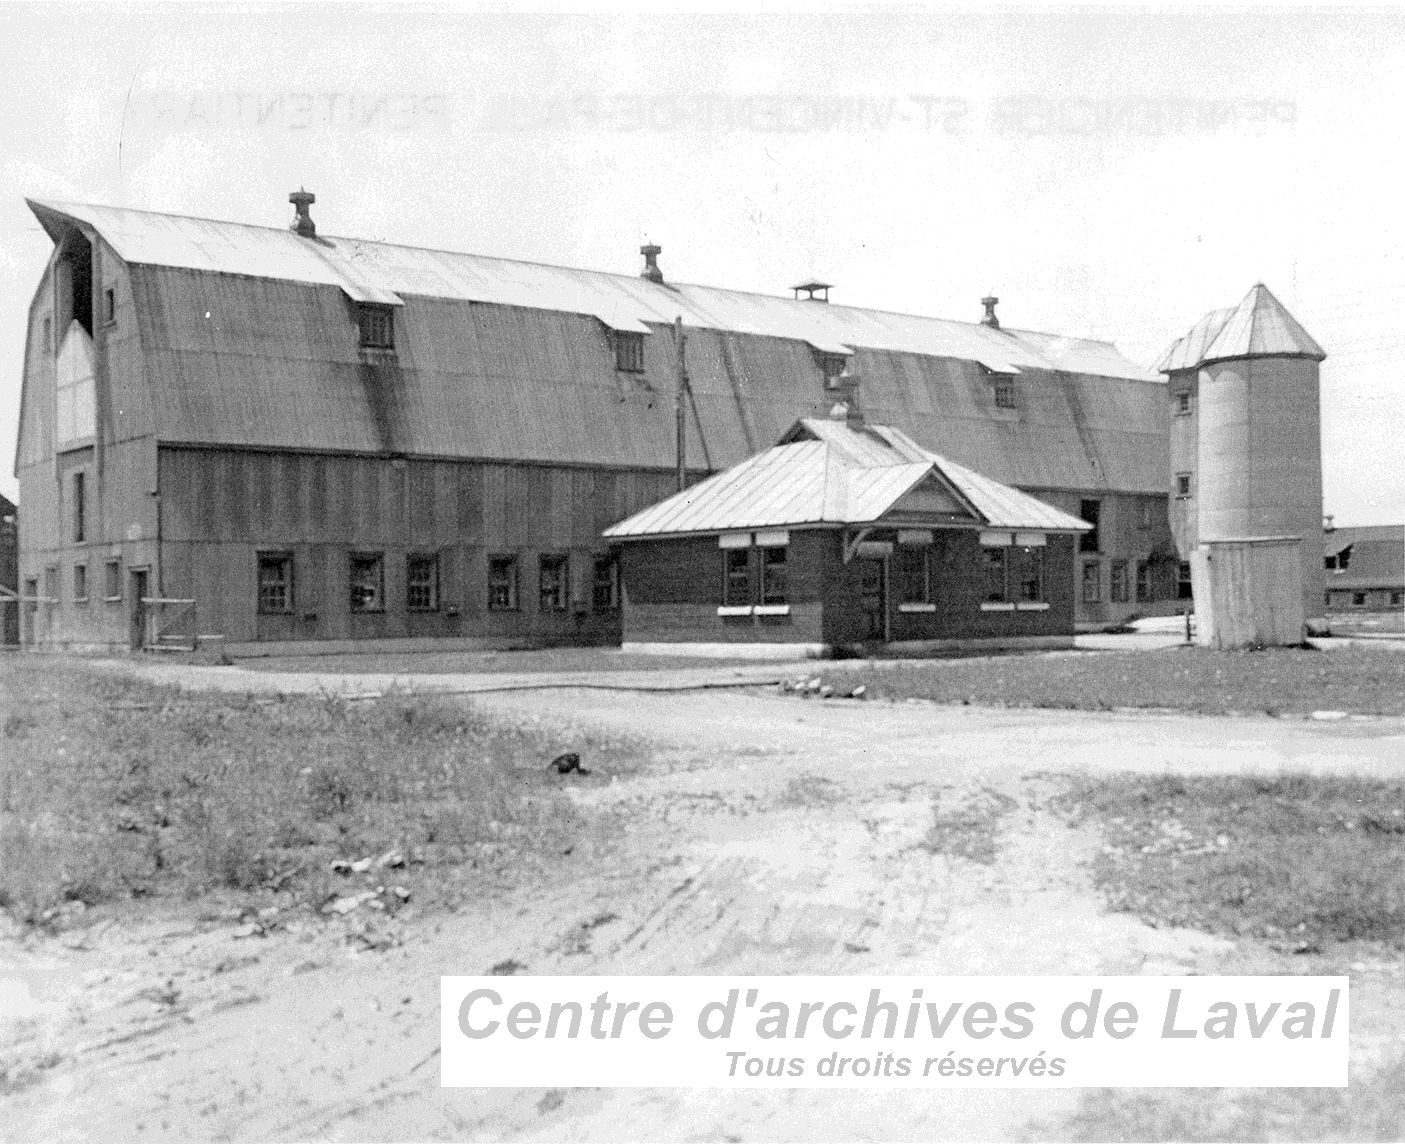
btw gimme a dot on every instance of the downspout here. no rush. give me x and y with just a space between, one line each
680 429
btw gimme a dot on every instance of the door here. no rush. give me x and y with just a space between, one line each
140 582
873 599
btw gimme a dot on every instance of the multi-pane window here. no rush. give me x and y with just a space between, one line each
1143 581
605 589
1092 582
112 580
736 576
1184 590
996 567
109 305
502 583
80 583
1358 599
377 327
80 506
275 582
774 586
422 582
366 582
553 583
1005 394
1118 584
1182 402
629 351
1182 486
914 574
48 335
1091 511
1029 574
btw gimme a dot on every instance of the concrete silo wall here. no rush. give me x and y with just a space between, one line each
1260 458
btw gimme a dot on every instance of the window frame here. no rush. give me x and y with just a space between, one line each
51 583
1184 486
80 582
906 554
357 605
1117 591
78 507
1090 541
375 326
997 556
1146 589
112 575
767 566
611 584
558 565
47 327
1028 558
109 306
1358 599
286 586
629 351
1091 587
1183 406
509 562
1185 584
1004 393
421 560
737 572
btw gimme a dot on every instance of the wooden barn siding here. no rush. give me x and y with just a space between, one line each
276 365
221 507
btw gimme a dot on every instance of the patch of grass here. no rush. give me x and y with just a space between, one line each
113 788
1370 1109
1279 680
1298 860
969 828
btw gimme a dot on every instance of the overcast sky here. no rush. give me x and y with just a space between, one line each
1113 175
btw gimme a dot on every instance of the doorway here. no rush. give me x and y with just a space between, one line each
873 599
140 581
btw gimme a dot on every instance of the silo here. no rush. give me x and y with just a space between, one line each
1259 460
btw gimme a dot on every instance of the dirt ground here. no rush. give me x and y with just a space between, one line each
770 835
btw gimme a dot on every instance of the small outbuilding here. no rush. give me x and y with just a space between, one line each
847 536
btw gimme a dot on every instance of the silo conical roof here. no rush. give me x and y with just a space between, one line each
1262 327
1189 351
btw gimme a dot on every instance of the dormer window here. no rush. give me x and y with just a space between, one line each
629 351
1004 390
377 327
831 365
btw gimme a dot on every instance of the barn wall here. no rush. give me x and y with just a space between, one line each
221 508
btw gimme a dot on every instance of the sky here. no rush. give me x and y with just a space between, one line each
1112 174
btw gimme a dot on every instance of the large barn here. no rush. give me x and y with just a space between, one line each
296 442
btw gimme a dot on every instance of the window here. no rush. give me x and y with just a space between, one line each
109 305
51 583
112 580
275 583
1395 599
1143 581
80 583
1182 486
1338 562
552 583
1146 510
1182 403
1329 563
1184 590
1326 599
1029 564
996 589
366 582
629 351
1092 582
502 583
914 574
48 335
1119 582
1358 599
422 582
80 506
605 589
1090 510
377 326
736 577
831 365
1005 394
774 588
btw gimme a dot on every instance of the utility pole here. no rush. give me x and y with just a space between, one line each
679 413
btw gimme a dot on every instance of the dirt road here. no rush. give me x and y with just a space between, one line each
769 835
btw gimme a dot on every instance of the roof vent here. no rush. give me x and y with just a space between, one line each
990 319
814 291
651 271
303 199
